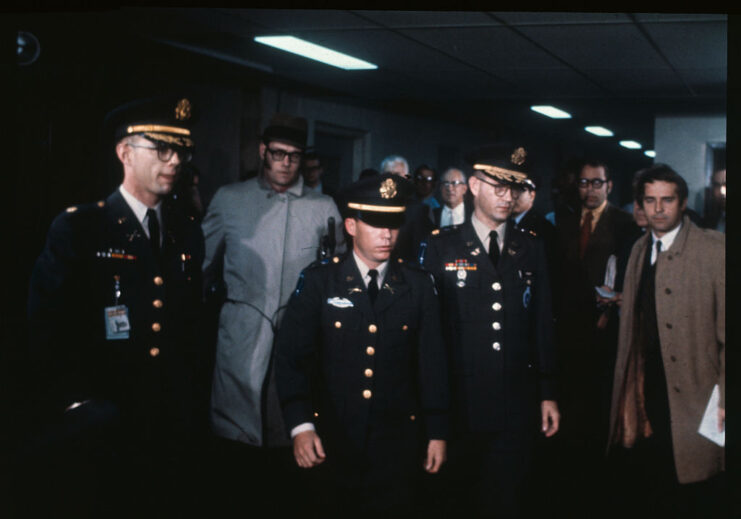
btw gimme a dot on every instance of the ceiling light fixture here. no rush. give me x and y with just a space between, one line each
599 131
631 145
650 153
551 111
315 52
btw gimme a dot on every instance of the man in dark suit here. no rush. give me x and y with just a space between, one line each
456 208
113 307
589 240
497 324
361 366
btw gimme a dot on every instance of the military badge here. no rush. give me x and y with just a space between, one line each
340 302
388 188
183 110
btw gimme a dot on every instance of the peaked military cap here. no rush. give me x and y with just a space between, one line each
287 129
506 164
379 200
167 120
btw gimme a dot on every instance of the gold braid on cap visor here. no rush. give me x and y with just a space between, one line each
183 142
377 208
507 175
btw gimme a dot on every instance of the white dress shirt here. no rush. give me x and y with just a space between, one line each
454 216
140 211
666 242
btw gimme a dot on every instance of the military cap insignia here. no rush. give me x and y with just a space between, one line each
518 156
388 188
183 110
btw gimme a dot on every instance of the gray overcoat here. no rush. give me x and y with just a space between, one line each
265 239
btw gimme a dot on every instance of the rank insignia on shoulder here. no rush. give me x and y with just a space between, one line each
71 209
435 232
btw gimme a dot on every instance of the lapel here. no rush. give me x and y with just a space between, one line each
474 251
352 287
394 286
128 228
512 250
602 232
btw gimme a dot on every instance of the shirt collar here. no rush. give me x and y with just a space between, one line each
520 216
363 268
296 189
483 230
668 238
138 207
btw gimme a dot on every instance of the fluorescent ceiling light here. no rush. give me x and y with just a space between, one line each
315 52
599 131
551 111
633 145
650 153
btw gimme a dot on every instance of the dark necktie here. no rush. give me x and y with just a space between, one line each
154 231
586 230
373 285
658 249
493 248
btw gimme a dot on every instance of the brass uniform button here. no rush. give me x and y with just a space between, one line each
153 352
370 350
101 203
335 259
337 324
316 415
497 286
368 373
156 327
496 346
405 327
412 417
496 307
496 325
157 303
158 281
367 394
372 328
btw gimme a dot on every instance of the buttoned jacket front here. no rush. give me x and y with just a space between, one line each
348 365
498 327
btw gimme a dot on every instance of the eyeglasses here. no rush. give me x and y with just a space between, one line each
165 151
425 179
280 155
452 183
501 189
596 182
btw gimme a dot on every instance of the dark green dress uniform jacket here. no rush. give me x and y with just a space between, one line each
498 327
379 367
149 381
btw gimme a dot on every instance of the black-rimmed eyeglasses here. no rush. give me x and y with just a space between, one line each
165 151
501 189
596 182
280 155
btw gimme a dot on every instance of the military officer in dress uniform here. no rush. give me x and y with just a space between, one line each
496 310
114 304
361 367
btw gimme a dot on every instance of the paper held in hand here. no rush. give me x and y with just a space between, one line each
709 424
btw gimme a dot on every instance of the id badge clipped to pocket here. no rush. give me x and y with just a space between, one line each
117 322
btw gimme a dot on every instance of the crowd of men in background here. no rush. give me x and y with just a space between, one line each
408 344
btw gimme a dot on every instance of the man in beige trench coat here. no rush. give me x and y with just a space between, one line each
671 356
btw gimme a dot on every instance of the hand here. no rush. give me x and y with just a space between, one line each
308 450
602 320
436 455
721 419
551 417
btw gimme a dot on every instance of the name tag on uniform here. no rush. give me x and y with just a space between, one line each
117 322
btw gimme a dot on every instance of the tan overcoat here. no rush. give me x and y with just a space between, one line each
690 312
